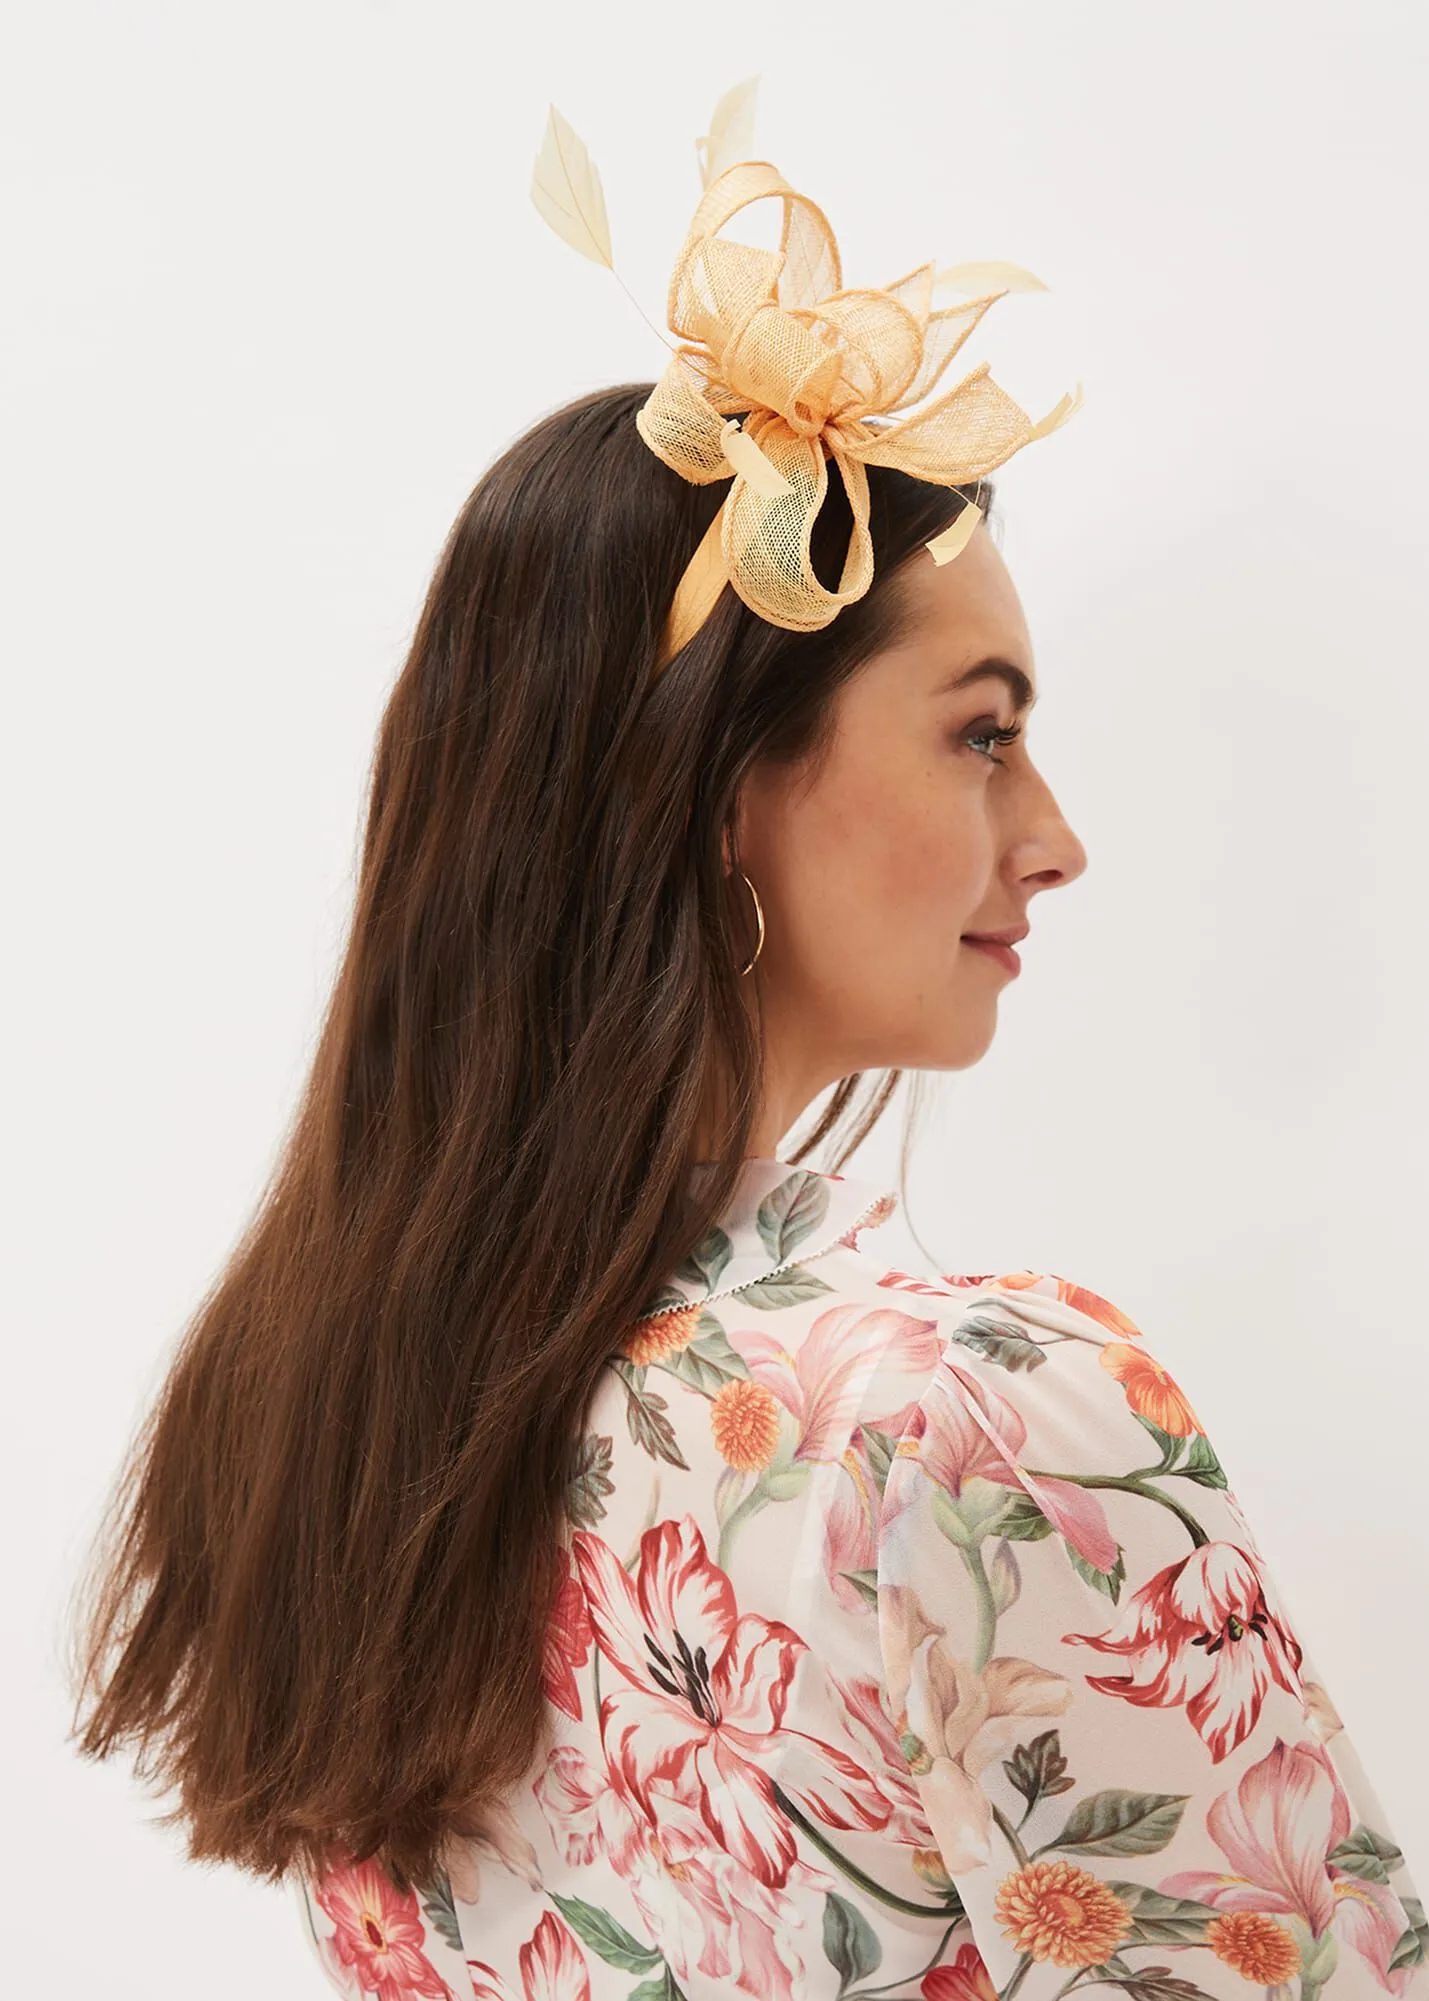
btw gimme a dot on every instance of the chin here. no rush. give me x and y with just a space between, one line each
949 1046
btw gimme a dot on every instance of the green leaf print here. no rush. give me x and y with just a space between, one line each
1109 1581
591 1481
438 1903
1117 1822
1202 1465
668 1295
785 1288
1023 1520
1162 1920
708 1362
790 1212
850 1944
1367 1854
606 1935
879 1447
706 1261
864 1582
1038 1769
1001 1342
661 1988
1151 1983
645 1413
1411 1946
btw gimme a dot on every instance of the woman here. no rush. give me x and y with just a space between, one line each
562 1550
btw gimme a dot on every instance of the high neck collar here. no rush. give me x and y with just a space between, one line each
779 1215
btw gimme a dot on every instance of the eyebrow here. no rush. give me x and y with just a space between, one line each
994 668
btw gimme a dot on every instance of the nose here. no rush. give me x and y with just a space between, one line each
1052 854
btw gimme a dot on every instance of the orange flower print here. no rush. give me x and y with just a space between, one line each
377 1934
744 1418
663 1335
1057 1911
1255 1946
1096 1308
965 1978
1150 1389
1280 1831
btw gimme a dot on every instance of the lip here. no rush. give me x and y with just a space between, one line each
999 945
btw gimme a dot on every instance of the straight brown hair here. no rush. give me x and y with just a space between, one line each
315 1604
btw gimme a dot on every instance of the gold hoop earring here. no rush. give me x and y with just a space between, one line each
759 914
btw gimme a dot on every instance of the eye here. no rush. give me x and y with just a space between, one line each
986 730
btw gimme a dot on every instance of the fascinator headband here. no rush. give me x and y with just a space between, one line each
780 368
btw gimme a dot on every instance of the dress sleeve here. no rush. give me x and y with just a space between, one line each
1133 1772
373 1939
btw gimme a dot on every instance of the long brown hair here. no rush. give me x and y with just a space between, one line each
316 1601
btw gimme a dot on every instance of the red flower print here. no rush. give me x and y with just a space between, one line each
586 1811
701 1699
1201 1633
866 1706
553 1966
740 1926
1278 1830
378 1933
964 1978
568 1639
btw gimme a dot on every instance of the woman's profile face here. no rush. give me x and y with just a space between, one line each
916 828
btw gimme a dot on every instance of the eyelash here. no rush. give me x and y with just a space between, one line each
1006 736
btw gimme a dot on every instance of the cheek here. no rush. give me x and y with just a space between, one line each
895 872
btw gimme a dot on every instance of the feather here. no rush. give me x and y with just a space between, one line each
565 186
747 459
956 536
990 276
731 134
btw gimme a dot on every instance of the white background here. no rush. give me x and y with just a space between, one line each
275 294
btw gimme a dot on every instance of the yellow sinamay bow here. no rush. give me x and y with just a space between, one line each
815 371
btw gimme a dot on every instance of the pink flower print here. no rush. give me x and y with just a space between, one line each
701 1702
848 1353
378 1933
553 1966
1277 1831
567 1642
956 1445
857 1366
485 1981
1201 1633
851 1524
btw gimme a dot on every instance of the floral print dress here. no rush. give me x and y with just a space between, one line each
911 1644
